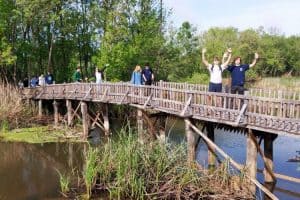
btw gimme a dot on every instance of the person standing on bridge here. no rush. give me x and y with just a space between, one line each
215 70
98 75
147 75
136 77
238 72
77 75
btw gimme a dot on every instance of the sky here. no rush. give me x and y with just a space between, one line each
242 14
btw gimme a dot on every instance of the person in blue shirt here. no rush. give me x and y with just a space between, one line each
136 77
147 75
49 78
238 71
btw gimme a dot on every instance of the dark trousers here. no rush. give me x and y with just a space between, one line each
215 87
237 89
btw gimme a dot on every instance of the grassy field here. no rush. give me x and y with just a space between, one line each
291 83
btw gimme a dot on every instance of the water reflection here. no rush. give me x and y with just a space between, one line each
234 144
28 171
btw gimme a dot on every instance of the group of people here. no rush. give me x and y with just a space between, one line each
236 69
36 81
98 74
142 76
146 77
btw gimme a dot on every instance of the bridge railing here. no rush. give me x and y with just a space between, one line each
258 92
252 111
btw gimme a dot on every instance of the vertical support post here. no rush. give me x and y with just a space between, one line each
268 151
40 114
140 125
106 119
251 162
162 129
211 150
55 108
85 119
191 141
69 112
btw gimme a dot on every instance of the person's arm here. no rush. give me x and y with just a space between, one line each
152 75
144 77
132 78
203 58
225 64
256 56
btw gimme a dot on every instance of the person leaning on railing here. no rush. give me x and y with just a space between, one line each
238 71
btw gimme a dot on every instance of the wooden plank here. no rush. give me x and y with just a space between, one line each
235 164
148 100
242 113
187 104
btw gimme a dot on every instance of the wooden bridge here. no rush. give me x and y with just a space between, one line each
263 113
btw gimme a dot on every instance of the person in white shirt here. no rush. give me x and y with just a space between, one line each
42 80
215 70
98 75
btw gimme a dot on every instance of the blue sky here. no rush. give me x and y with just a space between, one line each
242 14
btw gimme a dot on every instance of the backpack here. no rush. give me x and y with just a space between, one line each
212 68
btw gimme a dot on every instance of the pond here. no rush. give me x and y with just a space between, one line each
29 171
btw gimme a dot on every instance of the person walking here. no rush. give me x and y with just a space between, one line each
136 77
215 70
147 75
238 72
77 75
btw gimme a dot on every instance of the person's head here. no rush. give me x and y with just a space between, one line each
147 64
237 60
78 69
137 68
216 60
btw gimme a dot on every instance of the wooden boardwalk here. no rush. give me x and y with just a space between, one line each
266 110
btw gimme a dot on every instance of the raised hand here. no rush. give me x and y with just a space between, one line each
204 50
229 50
256 56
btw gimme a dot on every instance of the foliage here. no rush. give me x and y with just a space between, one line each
52 35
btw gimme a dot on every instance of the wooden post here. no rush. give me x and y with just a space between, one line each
211 150
140 125
69 112
85 119
268 151
191 141
251 162
162 129
40 108
106 119
55 108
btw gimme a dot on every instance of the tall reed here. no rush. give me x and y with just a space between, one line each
12 108
129 170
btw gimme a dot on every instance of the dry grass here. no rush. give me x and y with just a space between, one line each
12 109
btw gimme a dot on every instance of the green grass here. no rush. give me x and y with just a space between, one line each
129 170
291 83
39 134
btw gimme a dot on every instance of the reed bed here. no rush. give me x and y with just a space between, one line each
13 112
126 169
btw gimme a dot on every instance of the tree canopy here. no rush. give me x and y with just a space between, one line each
38 36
